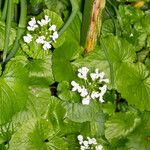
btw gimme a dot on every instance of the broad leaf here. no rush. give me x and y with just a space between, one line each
56 113
139 139
120 125
13 90
81 113
62 56
134 85
37 134
38 99
65 94
40 72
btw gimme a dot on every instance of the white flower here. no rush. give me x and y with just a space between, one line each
82 148
80 137
93 140
83 73
101 98
46 45
76 86
52 27
101 75
103 89
44 21
40 40
99 147
86 100
104 80
84 92
86 143
95 95
28 38
54 36
32 25
94 76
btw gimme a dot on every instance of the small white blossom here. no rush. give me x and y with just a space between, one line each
86 100
40 40
54 36
52 27
86 144
83 73
99 147
101 98
93 140
44 21
104 80
32 25
84 92
95 95
103 89
80 137
76 86
46 45
28 38
82 147
101 75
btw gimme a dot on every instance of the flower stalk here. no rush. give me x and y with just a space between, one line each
91 23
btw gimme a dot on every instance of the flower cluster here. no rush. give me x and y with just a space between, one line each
94 88
42 32
90 143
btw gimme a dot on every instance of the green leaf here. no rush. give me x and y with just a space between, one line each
0 70
38 101
35 2
56 113
147 63
65 94
81 113
139 139
120 125
13 90
98 125
72 33
111 57
2 35
146 23
108 27
62 56
40 72
37 134
34 50
134 85
55 18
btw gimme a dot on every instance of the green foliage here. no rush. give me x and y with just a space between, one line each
120 125
37 134
13 90
62 56
136 79
2 35
79 113
139 139
41 72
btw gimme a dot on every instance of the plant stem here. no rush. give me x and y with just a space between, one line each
4 12
92 21
8 28
72 16
21 28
